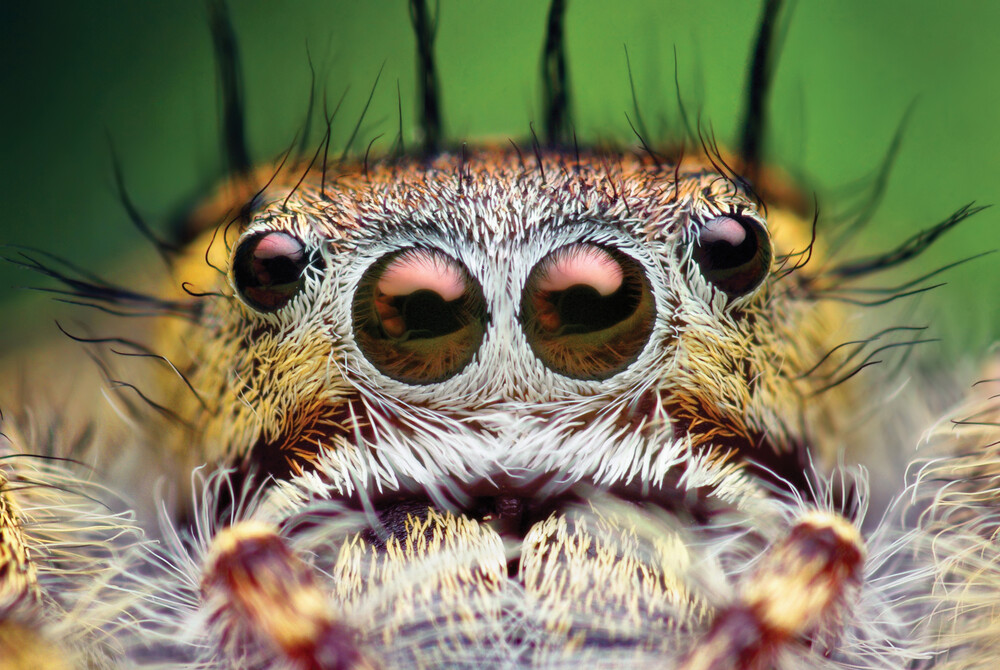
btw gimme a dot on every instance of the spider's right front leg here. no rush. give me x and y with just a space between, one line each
330 591
256 588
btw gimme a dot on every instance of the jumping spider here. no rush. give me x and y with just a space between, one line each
525 404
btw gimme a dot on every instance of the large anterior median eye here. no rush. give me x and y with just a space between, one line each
587 311
734 254
419 316
268 270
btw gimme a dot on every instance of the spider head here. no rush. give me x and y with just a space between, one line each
600 319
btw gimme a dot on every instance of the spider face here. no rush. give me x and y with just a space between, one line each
482 408
570 319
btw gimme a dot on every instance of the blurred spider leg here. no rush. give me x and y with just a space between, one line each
797 591
256 588
23 643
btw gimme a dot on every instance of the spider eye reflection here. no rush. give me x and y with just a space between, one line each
734 254
419 316
587 311
269 270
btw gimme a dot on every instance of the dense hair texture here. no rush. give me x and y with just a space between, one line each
473 405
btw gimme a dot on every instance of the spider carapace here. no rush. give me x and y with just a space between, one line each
521 405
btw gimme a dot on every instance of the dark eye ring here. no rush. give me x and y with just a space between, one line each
734 253
269 269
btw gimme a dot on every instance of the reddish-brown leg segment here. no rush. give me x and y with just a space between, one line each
256 588
796 591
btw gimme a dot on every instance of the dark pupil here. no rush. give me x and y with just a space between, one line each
582 309
426 314
278 271
724 256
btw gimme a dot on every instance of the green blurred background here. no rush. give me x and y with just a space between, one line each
74 72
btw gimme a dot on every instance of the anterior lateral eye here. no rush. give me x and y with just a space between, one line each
268 270
419 316
587 311
734 254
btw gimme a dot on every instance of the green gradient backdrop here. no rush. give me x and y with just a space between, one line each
72 71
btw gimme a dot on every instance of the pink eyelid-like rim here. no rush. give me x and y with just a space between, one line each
277 244
419 270
413 271
584 264
723 229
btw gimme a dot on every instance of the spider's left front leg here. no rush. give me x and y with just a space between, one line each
798 590
663 593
